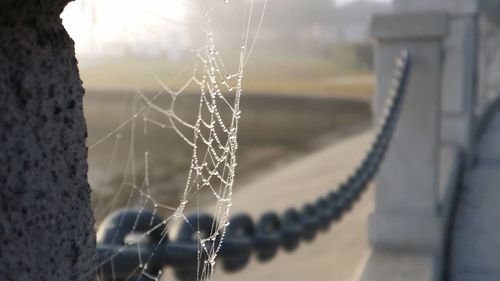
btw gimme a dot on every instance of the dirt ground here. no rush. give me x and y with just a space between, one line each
273 131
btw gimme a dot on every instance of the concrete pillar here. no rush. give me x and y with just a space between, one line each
459 83
460 67
488 65
406 230
46 223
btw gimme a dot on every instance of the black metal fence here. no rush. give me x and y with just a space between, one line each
243 236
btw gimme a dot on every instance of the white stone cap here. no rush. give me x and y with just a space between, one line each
418 25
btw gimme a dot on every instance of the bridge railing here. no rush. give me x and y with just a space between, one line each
118 260
451 170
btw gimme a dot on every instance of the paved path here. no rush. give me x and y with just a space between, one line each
335 255
475 249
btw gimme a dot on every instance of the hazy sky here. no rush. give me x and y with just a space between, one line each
98 26
341 2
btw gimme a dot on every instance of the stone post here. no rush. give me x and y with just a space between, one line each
406 230
460 80
460 68
489 64
46 223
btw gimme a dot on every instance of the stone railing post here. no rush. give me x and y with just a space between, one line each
46 223
459 78
405 230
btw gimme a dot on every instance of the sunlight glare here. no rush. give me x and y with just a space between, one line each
117 26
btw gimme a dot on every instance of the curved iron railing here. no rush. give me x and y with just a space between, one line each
242 236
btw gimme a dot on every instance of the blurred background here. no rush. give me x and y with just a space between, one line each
308 81
307 85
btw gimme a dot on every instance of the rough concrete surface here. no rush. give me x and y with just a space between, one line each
46 224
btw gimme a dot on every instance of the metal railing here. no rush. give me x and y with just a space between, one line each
272 231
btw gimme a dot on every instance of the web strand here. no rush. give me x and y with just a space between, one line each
211 136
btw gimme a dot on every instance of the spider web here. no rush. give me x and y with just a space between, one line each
209 129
